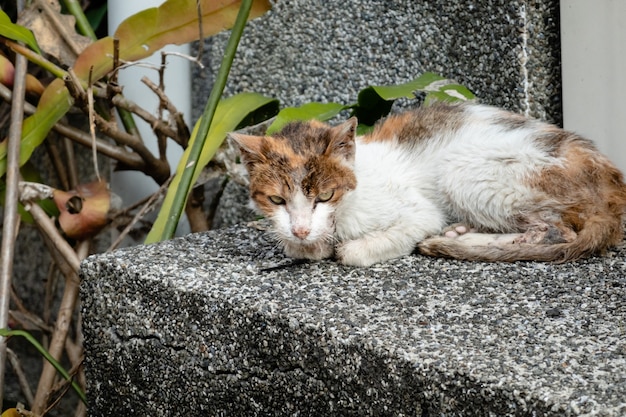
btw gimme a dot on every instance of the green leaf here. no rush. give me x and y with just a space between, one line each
16 32
96 15
228 116
449 93
407 90
375 102
371 106
174 21
318 111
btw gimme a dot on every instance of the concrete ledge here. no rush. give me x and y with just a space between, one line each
221 324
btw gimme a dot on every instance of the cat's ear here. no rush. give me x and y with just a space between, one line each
250 147
342 140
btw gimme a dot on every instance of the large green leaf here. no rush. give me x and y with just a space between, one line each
407 90
228 116
449 93
308 111
16 32
174 22
374 102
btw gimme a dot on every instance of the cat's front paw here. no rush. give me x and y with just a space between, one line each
316 251
355 253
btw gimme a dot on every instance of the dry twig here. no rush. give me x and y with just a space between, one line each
11 216
21 376
146 208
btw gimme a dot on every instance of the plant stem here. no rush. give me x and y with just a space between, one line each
35 58
183 190
81 20
47 356
11 215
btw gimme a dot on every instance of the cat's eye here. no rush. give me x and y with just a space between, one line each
278 200
324 197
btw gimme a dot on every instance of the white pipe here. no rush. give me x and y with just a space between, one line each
130 185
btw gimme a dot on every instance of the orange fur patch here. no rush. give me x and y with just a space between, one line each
423 123
588 191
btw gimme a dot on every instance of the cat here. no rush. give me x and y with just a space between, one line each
464 181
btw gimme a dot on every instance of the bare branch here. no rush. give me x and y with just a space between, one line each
147 207
155 123
10 215
130 160
195 60
70 162
182 131
57 160
156 168
64 317
50 232
21 376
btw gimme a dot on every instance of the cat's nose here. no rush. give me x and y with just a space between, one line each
300 232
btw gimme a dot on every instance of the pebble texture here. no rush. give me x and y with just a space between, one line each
506 51
222 324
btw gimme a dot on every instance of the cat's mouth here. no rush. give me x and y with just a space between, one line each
317 249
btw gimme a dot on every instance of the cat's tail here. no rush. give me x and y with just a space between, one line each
598 234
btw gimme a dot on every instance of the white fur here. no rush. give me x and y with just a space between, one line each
391 209
407 193
302 213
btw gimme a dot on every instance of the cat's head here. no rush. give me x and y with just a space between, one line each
298 176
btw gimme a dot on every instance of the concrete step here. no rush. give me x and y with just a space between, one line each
220 323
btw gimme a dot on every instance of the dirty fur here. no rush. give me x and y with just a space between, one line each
462 181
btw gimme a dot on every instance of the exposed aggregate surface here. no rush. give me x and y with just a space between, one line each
221 323
506 52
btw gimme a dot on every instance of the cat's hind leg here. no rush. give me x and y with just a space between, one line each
535 243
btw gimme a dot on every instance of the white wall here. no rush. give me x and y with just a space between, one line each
593 38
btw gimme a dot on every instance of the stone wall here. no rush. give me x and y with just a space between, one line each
506 52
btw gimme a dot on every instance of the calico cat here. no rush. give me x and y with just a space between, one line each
464 181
